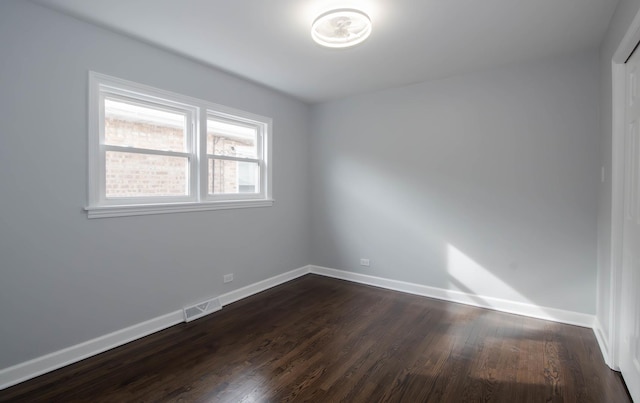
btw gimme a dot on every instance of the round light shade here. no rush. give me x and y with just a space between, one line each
341 28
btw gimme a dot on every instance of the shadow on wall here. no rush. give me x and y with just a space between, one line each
465 274
439 231
501 165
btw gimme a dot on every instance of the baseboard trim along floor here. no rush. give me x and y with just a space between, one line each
50 362
518 308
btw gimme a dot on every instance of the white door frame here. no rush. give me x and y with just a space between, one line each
624 50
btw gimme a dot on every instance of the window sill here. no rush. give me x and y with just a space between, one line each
146 209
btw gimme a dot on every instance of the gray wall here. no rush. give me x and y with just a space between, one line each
65 279
622 18
484 183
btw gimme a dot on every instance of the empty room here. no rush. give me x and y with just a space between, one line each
320 200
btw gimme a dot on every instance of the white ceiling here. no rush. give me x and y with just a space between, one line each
268 41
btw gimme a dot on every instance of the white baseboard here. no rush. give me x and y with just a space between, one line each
50 362
603 342
58 359
251 289
497 304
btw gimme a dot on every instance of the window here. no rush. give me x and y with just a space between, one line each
232 152
152 151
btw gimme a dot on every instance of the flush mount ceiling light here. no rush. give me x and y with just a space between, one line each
341 28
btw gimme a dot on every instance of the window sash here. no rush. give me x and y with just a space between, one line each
164 106
151 102
148 199
237 121
261 132
197 112
236 196
148 151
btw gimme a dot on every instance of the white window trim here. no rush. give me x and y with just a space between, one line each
198 198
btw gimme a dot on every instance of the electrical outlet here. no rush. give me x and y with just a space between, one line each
228 278
364 262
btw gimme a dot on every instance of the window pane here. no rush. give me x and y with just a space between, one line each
234 140
143 175
132 125
231 177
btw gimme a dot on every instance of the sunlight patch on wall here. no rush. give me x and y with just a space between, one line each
468 276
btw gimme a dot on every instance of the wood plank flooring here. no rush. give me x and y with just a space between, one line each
326 340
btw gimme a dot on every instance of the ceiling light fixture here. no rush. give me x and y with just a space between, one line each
341 28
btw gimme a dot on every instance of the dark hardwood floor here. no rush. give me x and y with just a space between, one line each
325 340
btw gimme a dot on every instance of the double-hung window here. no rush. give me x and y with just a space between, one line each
153 151
233 151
